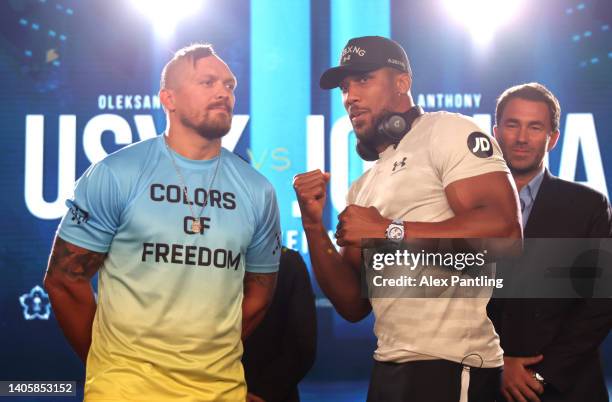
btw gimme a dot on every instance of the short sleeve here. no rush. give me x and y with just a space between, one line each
355 188
263 254
460 149
94 211
350 195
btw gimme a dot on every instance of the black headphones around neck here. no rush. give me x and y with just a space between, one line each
394 127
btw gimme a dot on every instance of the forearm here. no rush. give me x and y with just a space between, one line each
258 293
253 312
484 222
68 282
74 307
338 280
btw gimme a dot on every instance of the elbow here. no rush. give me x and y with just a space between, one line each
518 233
50 284
54 284
508 227
352 318
513 230
53 287
348 316
353 315
508 239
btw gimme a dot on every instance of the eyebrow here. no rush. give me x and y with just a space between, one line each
529 123
360 75
204 76
355 77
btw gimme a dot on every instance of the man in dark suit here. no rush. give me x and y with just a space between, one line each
551 347
281 350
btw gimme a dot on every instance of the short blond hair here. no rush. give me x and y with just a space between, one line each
191 54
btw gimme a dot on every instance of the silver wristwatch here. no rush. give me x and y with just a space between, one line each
395 231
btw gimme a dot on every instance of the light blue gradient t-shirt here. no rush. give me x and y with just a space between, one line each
168 322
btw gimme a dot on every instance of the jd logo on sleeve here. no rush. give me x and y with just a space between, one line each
480 145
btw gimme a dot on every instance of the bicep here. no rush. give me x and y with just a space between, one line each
71 263
495 190
259 284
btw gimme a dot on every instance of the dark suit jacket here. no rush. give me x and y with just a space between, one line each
567 332
282 349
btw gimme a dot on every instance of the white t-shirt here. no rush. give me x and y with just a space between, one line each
408 183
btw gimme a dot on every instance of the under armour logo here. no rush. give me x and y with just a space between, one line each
398 165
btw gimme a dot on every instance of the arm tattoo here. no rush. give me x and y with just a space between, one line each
77 263
263 280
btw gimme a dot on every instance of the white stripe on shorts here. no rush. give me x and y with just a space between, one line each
465 384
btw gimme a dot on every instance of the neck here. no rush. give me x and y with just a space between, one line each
522 179
191 145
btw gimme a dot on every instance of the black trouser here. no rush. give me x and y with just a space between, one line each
431 381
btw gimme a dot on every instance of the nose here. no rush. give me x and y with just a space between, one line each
223 92
350 95
522 135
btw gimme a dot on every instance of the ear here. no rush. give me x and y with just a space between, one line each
495 133
554 137
403 83
166 97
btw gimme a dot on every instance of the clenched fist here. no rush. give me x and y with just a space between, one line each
356 223
310 189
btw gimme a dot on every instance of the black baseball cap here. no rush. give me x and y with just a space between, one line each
363 54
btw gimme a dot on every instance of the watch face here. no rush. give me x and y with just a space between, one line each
396 233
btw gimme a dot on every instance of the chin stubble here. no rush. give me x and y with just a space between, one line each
208 129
